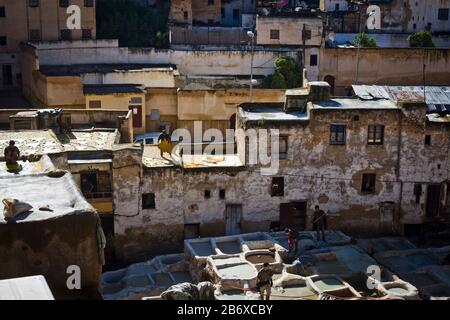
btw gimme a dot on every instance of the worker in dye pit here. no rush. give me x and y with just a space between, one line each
12 155
319 222
264 281
292 239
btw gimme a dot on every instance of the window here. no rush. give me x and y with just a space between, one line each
222 194
306 34
355 118
274 34
277 189
210 2
337 134
376 134
33 3
207 194
336 7
63 3
427 140
95 104
96 184
2 12
313 60
86 34
66 34
3 41
148 201
222 12
185 15
235 14
443 14
35 35
283 147
414 26
136 100
368 182
89 3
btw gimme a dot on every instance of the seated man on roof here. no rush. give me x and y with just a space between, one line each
12 155
165 143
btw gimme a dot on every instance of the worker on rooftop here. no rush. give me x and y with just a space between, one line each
12 155
264 281
165 143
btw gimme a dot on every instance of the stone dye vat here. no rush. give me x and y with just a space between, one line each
228 245
146 278
333 286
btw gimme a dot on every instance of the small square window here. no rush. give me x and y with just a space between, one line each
86 34
3 41
63 3
222 194
338 134
66 34
275 34
89 3
355 118
35 35
33 3
222 13
427 140
277 188
443 14
376 134
95 104
2 12
368 182
185 15
207 194
313 60
210 2
306 34
148 201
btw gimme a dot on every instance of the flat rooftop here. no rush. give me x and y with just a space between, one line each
152 159
78 69
27 288
60 194
32 141
39 142
269 112
89 140
350 103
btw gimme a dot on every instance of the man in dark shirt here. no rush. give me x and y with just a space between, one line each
319 222
12 154
264 281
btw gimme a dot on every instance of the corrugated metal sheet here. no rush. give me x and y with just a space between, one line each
437 98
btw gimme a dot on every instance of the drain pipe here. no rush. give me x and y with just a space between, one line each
399 206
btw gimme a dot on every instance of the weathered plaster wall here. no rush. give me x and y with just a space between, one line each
290 29
178 9
385 66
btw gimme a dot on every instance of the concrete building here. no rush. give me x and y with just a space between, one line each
24 20
373 191
333 5
412 16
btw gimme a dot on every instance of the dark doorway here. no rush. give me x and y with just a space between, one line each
433 200
233 216
137 116
7 75
233 122
293 215
107 221
330 80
